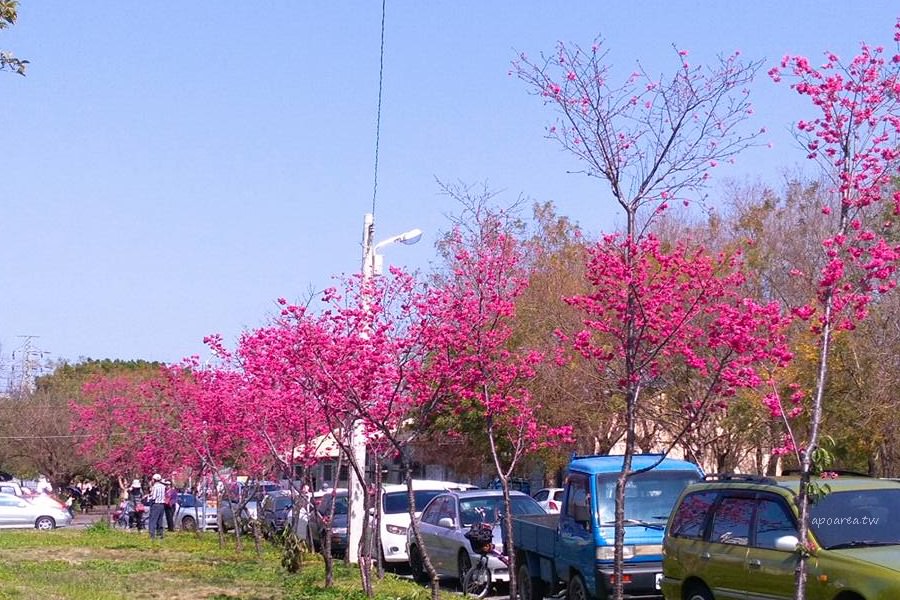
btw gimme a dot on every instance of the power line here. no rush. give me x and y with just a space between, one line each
378 118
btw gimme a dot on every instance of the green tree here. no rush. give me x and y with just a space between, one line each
8 14
37 430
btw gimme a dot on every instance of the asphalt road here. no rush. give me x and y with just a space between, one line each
98 513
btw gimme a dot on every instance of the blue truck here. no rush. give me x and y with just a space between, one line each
574 550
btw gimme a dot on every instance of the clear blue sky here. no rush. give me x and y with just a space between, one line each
169 169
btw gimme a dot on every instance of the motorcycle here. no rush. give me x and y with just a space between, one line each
131 515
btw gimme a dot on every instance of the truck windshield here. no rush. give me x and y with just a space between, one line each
649 496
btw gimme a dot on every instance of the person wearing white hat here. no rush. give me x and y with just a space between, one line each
157 507
43 485
135 498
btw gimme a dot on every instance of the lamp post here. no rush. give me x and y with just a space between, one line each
371 266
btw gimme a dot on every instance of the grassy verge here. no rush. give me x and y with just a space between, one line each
104 564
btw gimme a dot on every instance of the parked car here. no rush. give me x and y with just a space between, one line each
395 513
550 499
445 521
19 512
257 490
192 512
248 510
737 537
318 521
276 511
11 487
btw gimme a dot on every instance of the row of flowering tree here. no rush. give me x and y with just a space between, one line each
391 358
384 357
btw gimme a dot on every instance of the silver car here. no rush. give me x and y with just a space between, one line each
40 513
192 513
445 521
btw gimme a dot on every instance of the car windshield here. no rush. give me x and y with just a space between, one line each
283 502
340 505
398 502
856 518
649 496
487 509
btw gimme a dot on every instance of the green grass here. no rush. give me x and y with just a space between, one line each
99 563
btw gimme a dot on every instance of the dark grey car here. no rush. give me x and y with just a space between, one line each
276 510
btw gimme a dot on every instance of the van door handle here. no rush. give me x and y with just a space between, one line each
705 556
755 564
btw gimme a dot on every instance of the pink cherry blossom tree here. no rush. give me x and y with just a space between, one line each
357 365
473 351
674 321
652 141
855 140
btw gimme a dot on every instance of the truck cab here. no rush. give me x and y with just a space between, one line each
576 549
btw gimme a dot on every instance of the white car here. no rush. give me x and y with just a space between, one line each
395 513
19 512
550 499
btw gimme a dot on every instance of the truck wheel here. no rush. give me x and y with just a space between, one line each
530 588
698 592
576 589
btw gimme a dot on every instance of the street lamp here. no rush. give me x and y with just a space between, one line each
371 260
371 266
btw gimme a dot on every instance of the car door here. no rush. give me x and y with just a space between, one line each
429 529
445 542
725 555
576 536
7 510
770 572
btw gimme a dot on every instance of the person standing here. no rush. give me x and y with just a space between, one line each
171 500
157 507
43 485
134 505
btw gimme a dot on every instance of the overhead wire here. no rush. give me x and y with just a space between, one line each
378 113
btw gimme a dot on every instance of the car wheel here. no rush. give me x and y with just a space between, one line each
698 592
416 566
530 588
463 564
45 523
576 589
189 524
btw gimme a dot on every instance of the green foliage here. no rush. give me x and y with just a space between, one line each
292 549
8 15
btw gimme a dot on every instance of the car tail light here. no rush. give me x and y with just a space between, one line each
552 505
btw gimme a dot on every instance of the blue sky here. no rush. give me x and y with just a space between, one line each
171 168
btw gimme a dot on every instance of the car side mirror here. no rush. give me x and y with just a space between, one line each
787 543
445 522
